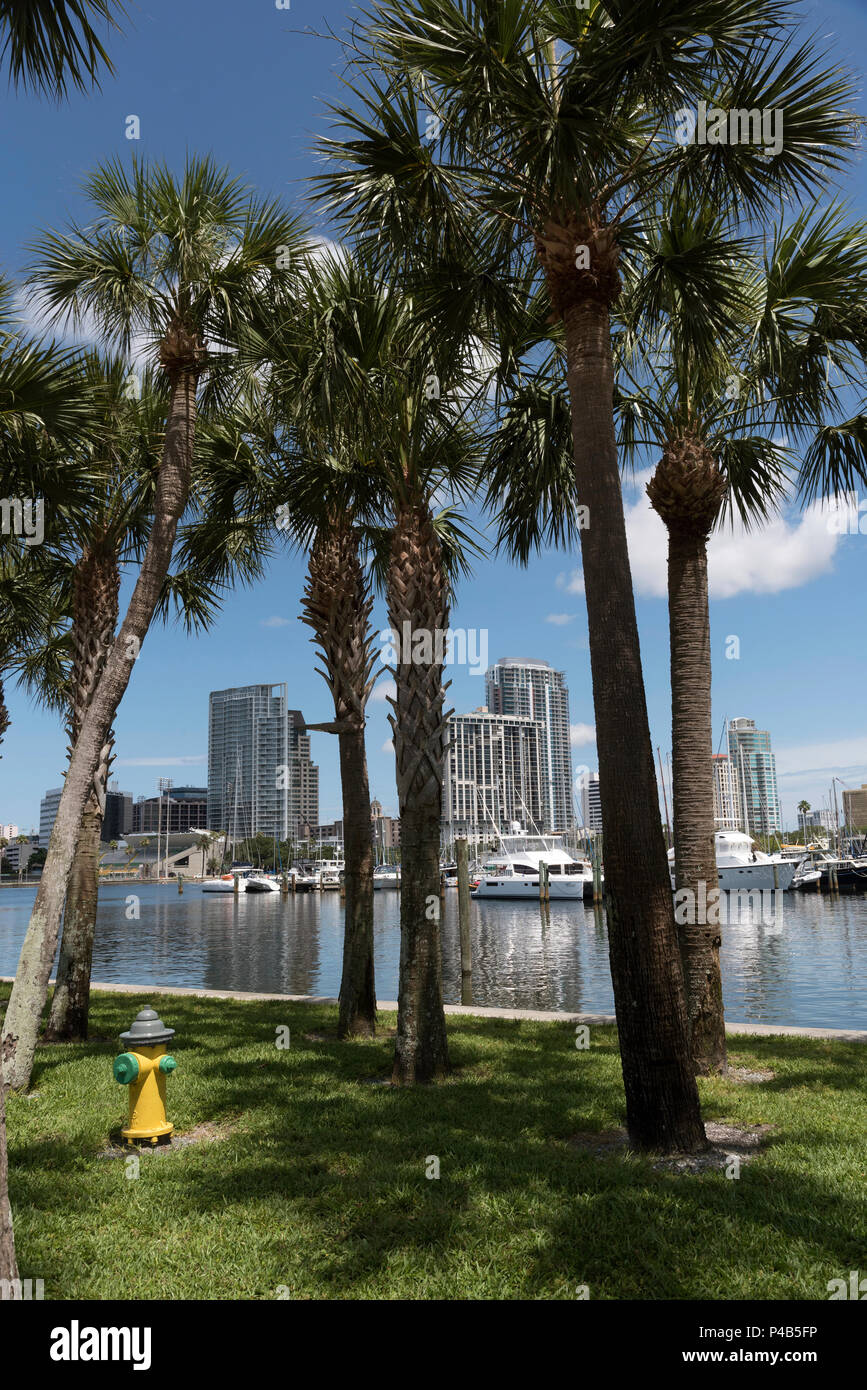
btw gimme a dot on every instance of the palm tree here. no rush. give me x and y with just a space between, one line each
751 351
558 126
47 46
803 809
50 46
179 262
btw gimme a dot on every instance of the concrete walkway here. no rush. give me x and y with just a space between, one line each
766 1030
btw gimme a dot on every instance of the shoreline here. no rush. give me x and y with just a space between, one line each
763 1030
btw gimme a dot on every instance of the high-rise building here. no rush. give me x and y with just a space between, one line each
260 777
727 803
822 821
493 775
855 808
750 751
8 832
48 814
178 811
532 690
117 819
591 804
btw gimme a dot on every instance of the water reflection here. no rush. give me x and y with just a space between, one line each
809 969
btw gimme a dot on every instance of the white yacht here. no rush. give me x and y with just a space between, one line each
513 871
386 876
260 883
741 864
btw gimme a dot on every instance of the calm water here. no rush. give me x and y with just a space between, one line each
810 970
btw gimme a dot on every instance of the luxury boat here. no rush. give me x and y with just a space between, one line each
260 883
513 872
741 864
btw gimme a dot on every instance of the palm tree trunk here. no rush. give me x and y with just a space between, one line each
68 1019
4 714
337 606
96 587
357 984
693 819
8 1264
40 943
662 1104
418 608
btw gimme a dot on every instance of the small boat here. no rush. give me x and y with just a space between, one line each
826 873
260 883
225 884
386 876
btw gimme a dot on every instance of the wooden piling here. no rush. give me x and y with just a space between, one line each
462 855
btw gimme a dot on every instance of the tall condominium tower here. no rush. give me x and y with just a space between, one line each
750 751
260 777
533 690
727 801
591 804
493 775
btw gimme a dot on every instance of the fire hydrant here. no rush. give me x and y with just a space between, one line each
144 1069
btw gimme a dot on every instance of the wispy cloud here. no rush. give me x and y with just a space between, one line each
274 622
579 734
560 619
382 691
571 583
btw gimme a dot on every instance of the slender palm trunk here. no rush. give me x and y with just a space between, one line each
357 984
8 1264
4 713
687 490
693 820
40 943
67 1021
418 606
662 1105
95 610
337 606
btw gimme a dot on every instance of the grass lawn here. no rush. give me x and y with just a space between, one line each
313 1183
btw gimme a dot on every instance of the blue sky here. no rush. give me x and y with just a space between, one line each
240 80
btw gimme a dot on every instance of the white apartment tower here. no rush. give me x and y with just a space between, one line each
260 777
532 690
493 775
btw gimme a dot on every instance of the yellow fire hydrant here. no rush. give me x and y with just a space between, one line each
144 1069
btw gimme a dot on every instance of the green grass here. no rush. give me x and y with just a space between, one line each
317 1183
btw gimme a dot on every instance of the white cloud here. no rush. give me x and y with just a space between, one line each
274 622
835 757
387 747
579 734
784 554
573 583
382 691
560 619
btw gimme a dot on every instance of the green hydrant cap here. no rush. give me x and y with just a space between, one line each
148 1030
168 1064
125 1068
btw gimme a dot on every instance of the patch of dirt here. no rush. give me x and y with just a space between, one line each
208 1132
746 1077
726 1142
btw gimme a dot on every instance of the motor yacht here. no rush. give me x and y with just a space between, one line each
386 876
513 871
742 865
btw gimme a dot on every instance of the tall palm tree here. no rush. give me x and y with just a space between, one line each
752 351
558 124
52 45
179 263
48 46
